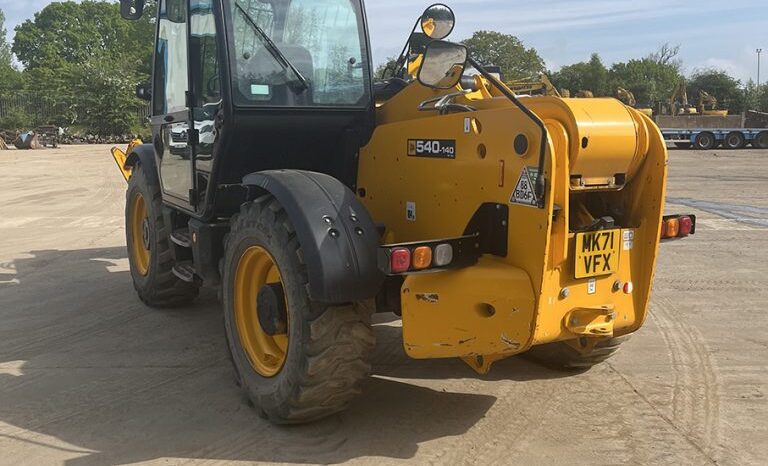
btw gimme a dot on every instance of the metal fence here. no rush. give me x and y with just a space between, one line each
42 110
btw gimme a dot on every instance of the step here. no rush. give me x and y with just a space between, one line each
185 271
181 237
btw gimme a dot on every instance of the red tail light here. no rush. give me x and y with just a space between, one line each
677 226
686 224
400 260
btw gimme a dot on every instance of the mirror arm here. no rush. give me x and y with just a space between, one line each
540 185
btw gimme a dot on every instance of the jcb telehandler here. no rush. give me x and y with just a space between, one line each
312 196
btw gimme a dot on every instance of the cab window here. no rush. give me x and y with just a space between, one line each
316 56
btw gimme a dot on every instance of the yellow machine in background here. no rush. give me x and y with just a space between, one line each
539 85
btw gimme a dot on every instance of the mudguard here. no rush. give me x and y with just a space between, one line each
338 237
144 153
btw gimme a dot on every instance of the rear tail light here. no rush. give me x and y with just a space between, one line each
400 260
422 257
678 226
686 224
443 255
405 258
673 228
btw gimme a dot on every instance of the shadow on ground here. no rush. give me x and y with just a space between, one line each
90 375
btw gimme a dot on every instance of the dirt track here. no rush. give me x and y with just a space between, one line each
88 375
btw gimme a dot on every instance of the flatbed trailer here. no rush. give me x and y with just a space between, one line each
710 131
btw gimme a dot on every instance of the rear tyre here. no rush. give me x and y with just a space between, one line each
297 360
149 247
761 140
734 140
705 141
562 356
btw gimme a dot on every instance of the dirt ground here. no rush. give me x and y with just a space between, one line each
88 375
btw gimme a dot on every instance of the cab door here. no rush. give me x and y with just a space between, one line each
171 133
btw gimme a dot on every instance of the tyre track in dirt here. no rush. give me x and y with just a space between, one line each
695 398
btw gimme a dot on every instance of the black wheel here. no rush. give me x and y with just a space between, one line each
761 140
149 247
683 145
705 141
562 356
297 360
734 140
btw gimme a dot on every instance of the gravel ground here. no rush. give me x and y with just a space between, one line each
88 375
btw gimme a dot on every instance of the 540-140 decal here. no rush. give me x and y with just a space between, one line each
437 148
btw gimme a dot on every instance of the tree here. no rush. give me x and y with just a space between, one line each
584 76
389 63
505 51
649 79
10 77
725 89
69 33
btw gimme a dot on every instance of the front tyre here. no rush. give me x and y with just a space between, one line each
149 246
297 360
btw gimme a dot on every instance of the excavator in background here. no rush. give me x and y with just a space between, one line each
677 104
708 105
628 97
312 196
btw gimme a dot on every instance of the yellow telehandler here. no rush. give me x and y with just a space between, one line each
312 197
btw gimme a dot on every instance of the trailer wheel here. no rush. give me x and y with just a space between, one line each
149 249
705 141
734 140
683 145
296 360
562 356
761 140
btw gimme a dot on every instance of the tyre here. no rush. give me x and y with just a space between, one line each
297 360
705 141
734 140
149 247
683 145
562 356
761 140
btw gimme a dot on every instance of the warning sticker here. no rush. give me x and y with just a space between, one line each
629 238
524 193
410 211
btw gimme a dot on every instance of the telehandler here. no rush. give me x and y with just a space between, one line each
312 197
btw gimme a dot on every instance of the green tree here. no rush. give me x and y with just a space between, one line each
727 90
591 75
84 60
71 33
10 77
649 80
505 51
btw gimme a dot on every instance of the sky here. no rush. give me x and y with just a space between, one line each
711 33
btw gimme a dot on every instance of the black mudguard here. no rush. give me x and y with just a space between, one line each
337 235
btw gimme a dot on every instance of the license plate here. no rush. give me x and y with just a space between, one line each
597 253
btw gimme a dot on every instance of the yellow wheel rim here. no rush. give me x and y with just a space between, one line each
139 225
266 353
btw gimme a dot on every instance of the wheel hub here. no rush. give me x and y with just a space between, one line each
145 233
270 309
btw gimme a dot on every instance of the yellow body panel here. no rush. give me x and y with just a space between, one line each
594 139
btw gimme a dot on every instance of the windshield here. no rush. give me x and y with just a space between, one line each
322 42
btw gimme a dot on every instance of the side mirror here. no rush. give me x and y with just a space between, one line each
438 21
144 91
131 9
442 65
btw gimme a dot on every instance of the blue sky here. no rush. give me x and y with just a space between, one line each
712 33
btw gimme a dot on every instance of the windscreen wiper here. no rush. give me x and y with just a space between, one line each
273 49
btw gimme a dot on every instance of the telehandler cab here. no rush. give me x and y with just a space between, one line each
312 196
